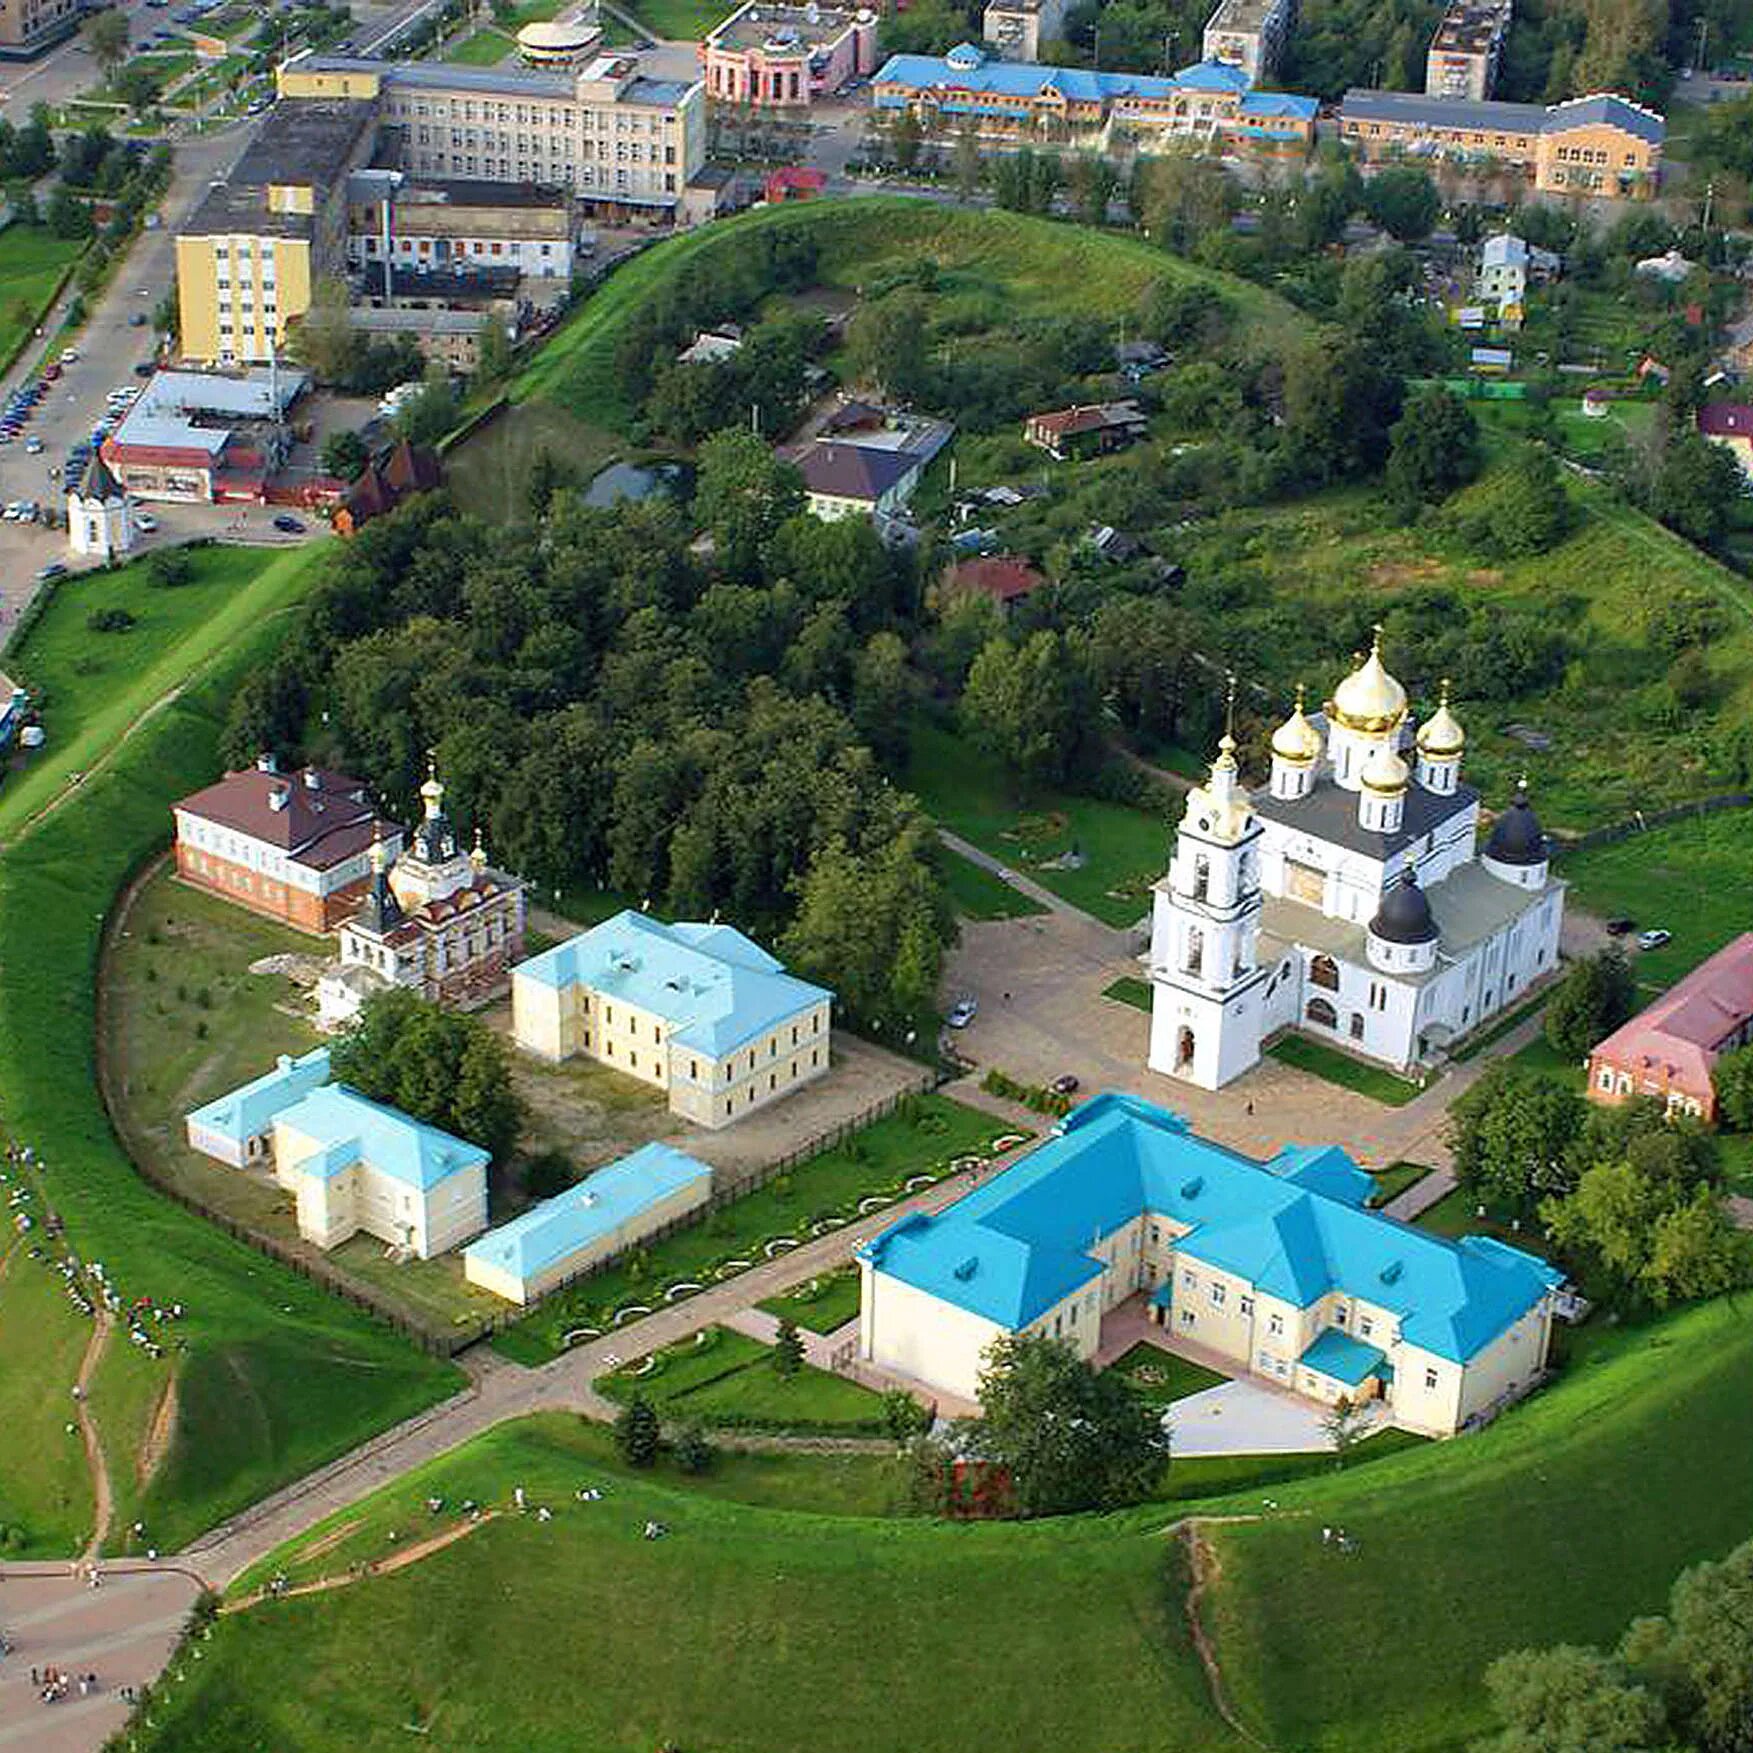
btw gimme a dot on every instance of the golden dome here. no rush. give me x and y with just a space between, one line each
1441 734
1369 700
1296 740
1221 807
1384 772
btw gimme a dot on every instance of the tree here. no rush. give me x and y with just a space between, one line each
1182 196
903 1416
427 416
1433 448
887 343
1592 1000
324 338
1030 705
169 568
882 697
68 216
1345 1426
742 494
969 162
1339 407
343 455
1696 1252
787 1349
1571 1700
1732 1079
106 35
1069 1437
495 361
1696 487
1094 183
1511 1132
638 1434
136 86
1403 201
694 1453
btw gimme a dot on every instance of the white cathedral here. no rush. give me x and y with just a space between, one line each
1350 900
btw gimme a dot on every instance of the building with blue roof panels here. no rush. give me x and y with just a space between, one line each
697 1010
237 1128
354 1164
1276 1268
1020 100
585 1227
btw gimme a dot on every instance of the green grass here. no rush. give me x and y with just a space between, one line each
1129 989
1457 1214
486 47
922 1138
1480 1039
1332 1066
277 1377
1693 877
1163 1377
1542 1058
32 261
486 475
1125 850
1561 1522
45 1486
1392 1181
727 1380
677 20
1197 1478
978 894
745 1630
92 686
823 1305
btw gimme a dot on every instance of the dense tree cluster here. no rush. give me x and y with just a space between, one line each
1592 1000
614 711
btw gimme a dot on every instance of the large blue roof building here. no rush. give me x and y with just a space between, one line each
1274 1268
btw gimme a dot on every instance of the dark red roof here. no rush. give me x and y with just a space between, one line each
1003 577
322 819
1726 420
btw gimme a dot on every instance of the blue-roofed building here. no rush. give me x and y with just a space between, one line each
1015 100
237 1128
589 1224
697 1010
1276 1269
354 1164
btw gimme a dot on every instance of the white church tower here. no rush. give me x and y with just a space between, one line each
98 518
1207 998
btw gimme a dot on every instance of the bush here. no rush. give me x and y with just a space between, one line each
168 568
548 1174
114 620
694 1454
637 1432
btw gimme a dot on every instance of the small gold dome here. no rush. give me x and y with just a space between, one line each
1369 700
1441 734
1221 807
1296 740
1384 772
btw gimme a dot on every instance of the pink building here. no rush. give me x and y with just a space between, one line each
1667 1050
787 56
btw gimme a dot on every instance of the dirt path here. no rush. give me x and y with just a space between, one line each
102 1501
1202 1568
377 1567
158 1435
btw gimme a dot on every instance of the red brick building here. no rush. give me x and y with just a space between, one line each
1667 1051
295 847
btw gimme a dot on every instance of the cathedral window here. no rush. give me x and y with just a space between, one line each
1357 1025
1320 1011
1201 877
1195 950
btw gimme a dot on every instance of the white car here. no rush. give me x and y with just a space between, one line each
145 523
70 356
33 445
962 1012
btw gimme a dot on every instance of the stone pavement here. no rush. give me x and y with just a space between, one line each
1248 1417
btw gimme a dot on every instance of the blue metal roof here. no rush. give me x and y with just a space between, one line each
1294 1226
347 1128
714 988
596 1207
1343 1358
248 1112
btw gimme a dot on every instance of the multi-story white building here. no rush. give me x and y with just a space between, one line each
1348 900
1249 35
697 1010
1272 1269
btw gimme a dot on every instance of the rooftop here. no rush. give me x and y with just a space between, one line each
1416 109
854 471
597 1207
1726 420
1294 1226
1471 27
1329 813
714 988
348 1129
799 29
1243 15
1683 1030
320 817
248 1112
304 141
195 410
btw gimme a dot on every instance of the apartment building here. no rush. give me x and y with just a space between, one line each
424 226
1466 47
786 57
27 27
1016 30
1249 35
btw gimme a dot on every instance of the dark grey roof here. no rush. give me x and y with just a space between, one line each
1617 112
306 140
852 471
1420 110
1516 835
227 208
1330 813
97 482
1404 915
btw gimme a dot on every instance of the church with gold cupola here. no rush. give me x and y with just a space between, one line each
1348 898
436 919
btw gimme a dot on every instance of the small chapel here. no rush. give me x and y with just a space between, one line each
1349 899
436 919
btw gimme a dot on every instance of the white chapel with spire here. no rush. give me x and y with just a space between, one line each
1349 899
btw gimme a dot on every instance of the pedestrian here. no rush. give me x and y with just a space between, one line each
517 1496
1250 1107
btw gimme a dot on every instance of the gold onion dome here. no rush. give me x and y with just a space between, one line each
1221 806
1369 700
1297 740
1384 772
1441 733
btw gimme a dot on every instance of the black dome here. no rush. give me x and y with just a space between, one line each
1404 915
1516 835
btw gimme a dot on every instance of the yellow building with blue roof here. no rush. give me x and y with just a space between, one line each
1276 1268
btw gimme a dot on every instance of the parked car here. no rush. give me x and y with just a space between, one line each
1621 927
1654 940
146 523
962 1012
1064 1086
145 368
34 445
137 320
54 569
69 355
288 525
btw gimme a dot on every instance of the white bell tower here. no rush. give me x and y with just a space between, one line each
1207 984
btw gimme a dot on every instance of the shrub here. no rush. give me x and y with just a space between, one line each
547 1174
168 568
637 1432
694 1454
788 1349
112 620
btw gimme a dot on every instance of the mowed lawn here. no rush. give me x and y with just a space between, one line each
676 20
277 1375
32 261
744 1630
823 1305
1560 1523
978 894
486 47
1123 851
1693 878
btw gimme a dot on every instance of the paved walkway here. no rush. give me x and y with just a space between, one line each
1106 937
